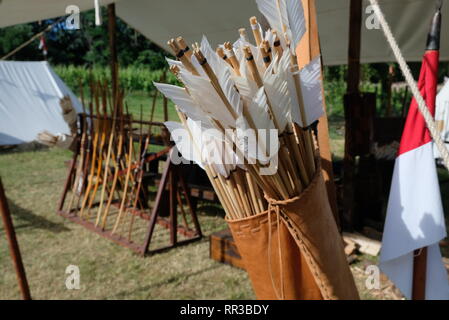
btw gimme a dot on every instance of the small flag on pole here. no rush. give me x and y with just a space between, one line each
43 46
415 224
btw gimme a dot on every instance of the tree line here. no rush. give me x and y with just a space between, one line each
87 46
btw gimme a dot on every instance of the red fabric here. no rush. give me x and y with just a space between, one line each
415 132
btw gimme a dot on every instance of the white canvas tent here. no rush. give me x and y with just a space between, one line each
220 20
159 20
29 101
14 12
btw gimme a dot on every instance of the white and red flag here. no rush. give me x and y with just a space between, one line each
415 217
43 45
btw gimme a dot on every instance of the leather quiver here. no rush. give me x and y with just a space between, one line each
260 254
310 221
313 264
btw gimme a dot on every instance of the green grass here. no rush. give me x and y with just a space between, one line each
337 137
33 181
140 99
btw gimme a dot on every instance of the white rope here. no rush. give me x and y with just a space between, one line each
422 106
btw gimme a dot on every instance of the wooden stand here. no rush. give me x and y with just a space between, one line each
307 50
173 183
173 179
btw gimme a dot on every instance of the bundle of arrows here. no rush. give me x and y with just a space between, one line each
107 175
247 112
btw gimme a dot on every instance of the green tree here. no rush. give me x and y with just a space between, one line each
88 46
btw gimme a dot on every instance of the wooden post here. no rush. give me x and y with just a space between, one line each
173 190
13 245
420 255
307 50
419 274
389 98
353 80
355 40
113 50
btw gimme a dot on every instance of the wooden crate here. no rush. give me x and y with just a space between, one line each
224 250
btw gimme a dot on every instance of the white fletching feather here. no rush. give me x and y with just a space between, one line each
185 142
259 113
276 89
285 13
246 86
283 68
186 104
270 10
212 148
204 94
223 74
296 20
197 66
312 90
176 63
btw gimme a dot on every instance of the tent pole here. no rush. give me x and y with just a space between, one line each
353 80
13 245
113 50
308 49
420 255
355 40
419 274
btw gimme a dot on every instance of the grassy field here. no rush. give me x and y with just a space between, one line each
139 99
34 180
